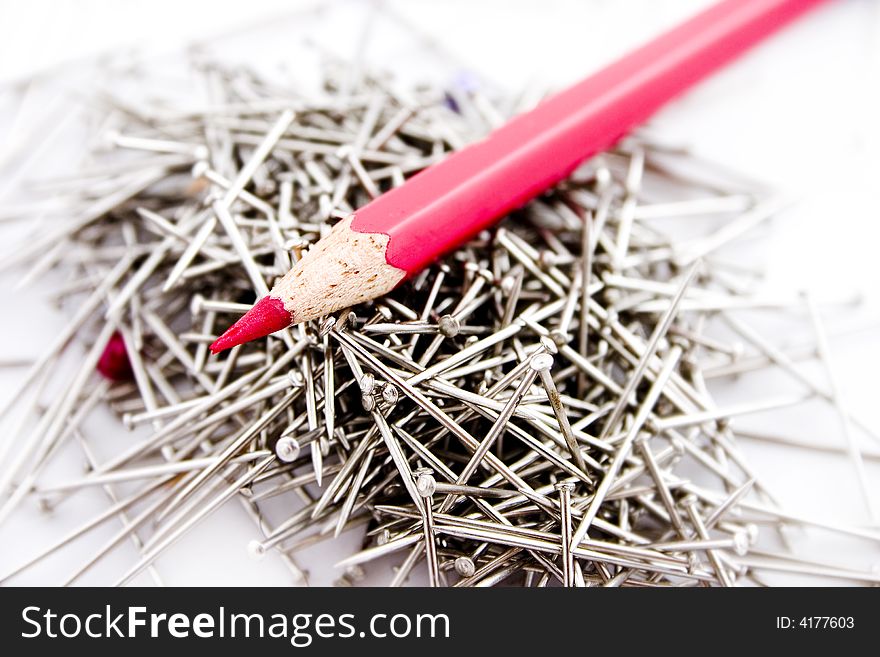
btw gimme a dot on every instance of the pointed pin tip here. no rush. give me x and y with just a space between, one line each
267 316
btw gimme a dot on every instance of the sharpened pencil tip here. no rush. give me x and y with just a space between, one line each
267 316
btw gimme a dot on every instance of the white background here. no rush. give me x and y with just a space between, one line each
800 111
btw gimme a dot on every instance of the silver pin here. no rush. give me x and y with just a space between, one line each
690 505
426 486
543 363
565 489
837 399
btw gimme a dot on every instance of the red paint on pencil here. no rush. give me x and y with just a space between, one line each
450 202
114 363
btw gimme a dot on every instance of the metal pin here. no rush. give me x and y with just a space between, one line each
426 486
690 505
543 363
565 489
837 399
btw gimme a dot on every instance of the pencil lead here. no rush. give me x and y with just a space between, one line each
267 316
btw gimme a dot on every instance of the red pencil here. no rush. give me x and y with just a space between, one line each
370 252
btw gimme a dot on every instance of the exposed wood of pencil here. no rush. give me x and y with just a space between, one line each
341 270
